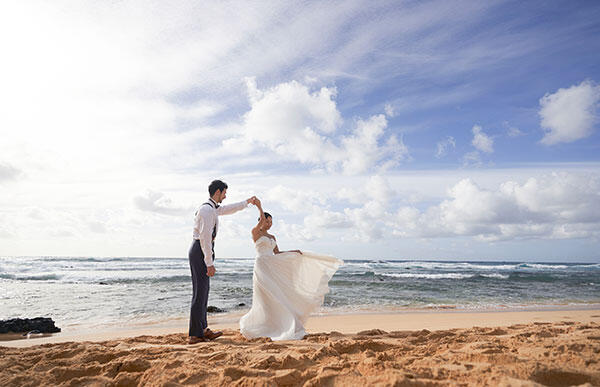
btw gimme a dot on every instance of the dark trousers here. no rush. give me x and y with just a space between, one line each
200 286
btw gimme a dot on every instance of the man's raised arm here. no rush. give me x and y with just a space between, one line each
235 207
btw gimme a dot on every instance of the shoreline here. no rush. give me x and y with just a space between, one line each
344 323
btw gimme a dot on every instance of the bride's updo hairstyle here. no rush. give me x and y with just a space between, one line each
267 215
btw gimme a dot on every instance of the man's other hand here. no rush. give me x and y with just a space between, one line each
210 271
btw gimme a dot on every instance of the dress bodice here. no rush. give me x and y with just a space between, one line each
265 245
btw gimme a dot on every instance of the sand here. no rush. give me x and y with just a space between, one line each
411 349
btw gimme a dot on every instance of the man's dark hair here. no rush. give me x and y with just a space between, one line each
267 215
216 185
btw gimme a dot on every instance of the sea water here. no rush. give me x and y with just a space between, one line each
92 291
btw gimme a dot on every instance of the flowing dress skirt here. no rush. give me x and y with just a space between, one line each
287 287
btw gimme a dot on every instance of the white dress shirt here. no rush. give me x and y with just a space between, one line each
207 220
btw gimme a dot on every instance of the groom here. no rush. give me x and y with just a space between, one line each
202 255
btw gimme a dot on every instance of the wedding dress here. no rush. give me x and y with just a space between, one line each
287 287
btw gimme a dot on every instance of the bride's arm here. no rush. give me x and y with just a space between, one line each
276 251
261 221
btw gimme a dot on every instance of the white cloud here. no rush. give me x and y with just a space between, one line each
376 187
5 230
444 145
311 205
298 232
556 206
299 124
362 150
482 141
366 222
472 159
157 202
294 200
97 227
199 111
8 172
389 110
293 122
569 114
512 131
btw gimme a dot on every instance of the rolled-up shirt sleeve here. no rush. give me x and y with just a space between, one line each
231 208
204 224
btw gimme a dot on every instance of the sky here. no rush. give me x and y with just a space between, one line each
432 130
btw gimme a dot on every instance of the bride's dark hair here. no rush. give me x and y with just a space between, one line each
267 215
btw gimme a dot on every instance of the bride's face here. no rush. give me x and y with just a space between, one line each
269 223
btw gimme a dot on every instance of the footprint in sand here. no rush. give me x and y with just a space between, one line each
560 378
496 332
272 346
372 332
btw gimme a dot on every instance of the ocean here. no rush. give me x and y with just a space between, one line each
90 292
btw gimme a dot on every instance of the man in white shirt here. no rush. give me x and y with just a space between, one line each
201 255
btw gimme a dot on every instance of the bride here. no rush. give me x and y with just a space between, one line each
287 286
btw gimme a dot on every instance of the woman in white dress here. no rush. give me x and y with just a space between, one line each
287 286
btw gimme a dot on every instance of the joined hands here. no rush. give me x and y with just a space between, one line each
253 200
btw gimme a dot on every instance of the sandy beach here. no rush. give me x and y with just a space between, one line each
516 348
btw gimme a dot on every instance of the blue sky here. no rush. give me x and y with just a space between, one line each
407 130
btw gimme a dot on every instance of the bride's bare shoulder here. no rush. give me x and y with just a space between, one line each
256 237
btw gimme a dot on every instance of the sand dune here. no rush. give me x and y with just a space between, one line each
559 353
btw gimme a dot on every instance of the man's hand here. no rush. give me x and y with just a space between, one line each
210 271
251 200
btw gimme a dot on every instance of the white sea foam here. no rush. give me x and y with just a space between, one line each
38 277
495 275
429 276
442 275
467 266
543 266
428 265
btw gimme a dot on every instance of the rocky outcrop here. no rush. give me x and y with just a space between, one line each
22 325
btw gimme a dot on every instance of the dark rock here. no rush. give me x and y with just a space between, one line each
102 283
214 309
20 325
241 304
